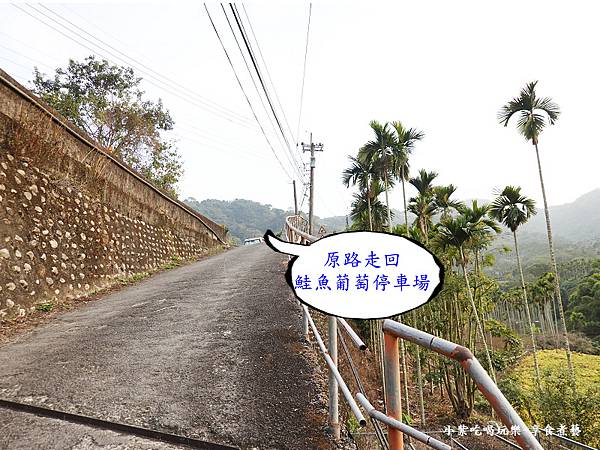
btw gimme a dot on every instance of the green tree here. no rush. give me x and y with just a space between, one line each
367 211
457 233
107 103
423 205
444 202
362 174
584 306
533 112
384 156
513 210
403 144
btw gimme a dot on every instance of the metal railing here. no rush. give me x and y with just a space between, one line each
332 364
393 331
295 230
396 424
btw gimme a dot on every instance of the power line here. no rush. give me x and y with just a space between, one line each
180 125
198 131
184 89
24 56
159 83
14 62
304 195
303 73
267 70
218 146
292 163
244 92
229 146
260 77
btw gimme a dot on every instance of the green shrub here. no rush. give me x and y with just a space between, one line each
45 307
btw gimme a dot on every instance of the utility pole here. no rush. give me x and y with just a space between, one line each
312 148
295 199
331 321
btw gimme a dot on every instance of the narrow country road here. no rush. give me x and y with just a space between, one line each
211 350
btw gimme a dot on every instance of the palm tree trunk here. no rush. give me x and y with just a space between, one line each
369 209
535 359
554 318
555 269
404 199
476 314
387 202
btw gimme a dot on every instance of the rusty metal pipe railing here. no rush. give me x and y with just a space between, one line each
471 365
391 422
333 370
393 399
352 334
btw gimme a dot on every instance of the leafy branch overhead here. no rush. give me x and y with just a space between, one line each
106 101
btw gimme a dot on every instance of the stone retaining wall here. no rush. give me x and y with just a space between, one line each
72 218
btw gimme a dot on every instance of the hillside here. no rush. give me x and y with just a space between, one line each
246 218
576 227
576 231
576 221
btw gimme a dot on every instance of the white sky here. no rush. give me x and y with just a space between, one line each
443 67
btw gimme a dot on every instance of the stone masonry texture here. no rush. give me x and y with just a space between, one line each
73 219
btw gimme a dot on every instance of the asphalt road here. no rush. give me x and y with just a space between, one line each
211 350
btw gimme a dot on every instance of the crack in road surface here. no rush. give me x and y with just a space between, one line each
209 351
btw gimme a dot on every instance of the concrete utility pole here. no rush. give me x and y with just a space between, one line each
312 148
295 199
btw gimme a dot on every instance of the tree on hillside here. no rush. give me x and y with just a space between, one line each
107 103
514 209
423 205
456 233
384 156
584 306
362 173
368 213
533 112
444 201
403 143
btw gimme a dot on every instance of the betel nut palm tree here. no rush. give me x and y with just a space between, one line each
513 209
384 156
362 174
403 144
457 232
533 113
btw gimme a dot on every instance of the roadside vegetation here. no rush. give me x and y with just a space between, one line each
536 332
106 101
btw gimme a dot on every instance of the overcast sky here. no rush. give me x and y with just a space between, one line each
443 67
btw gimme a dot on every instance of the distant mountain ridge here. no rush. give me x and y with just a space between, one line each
578 221
575 221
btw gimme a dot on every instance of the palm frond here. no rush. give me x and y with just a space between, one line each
512 208
532 112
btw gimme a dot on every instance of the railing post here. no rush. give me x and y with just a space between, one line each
291 237
393 402
333 385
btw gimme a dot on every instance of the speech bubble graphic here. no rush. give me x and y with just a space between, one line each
361 274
